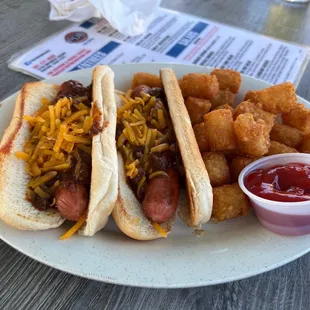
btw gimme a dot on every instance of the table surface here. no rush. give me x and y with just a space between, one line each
27 284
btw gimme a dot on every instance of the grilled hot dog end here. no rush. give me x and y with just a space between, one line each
72 199
162 197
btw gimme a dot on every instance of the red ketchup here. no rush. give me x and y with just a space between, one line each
287 183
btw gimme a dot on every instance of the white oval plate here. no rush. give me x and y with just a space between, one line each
228 251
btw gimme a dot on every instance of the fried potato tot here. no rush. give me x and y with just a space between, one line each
275 99
199 85
143 78
223 97
305 145
286 135
237 164
197 108
219 130
279 148
224 107
217 168
256 110
298 117
199 131
230 155
229 202
228 79
252 136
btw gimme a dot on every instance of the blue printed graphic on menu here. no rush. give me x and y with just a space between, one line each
89 23
97 56
187 39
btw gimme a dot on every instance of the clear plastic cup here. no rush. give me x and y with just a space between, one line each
285 218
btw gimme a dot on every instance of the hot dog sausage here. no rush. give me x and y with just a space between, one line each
162 197
152 91
137 91
71 199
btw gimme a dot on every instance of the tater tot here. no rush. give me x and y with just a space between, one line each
229 202
237 164
224 107
217 168
305 145
219 130
199 85
230 155
256 111
223 97
298 117
252 136
279 148
197 108
287 135
201 138
275 99
143 78
228 79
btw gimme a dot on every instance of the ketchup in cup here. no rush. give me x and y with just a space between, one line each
278 188
286 183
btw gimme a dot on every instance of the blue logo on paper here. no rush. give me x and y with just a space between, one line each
95 58
187 39
89 23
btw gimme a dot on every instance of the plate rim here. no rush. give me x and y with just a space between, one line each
110 280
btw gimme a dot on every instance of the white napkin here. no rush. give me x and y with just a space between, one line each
130 17
73 10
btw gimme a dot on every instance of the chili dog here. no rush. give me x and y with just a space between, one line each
155 142
58 156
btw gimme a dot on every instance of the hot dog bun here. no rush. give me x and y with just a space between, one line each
199 188
15 210
128 214
104 178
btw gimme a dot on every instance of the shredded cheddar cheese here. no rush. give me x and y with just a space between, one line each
159 229
76 139
156 173
141 182
22 155
45 178
142 126
88 123
57 130
145 129
45 101
41 192
160 148
52 120
34 119
132 170
60 137
74 228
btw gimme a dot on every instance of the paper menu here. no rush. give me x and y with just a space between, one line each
171 37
